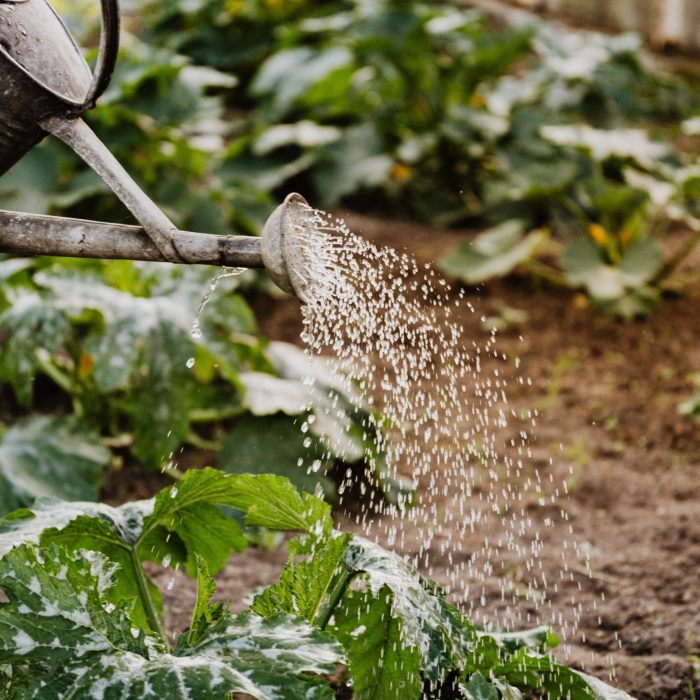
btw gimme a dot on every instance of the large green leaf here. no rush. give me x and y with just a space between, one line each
357 162
382 664
604 144
142 344
267 500
183 521
49 457
436 629
624 288
478 688
516 664
30 325
304 586
287 75
113 532
493 253
56 606
275 444
66 640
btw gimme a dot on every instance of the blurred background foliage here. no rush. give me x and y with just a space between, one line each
422 109
573 161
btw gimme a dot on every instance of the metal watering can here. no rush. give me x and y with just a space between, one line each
45 87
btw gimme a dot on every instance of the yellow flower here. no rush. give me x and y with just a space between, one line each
87 365
400 172
477 101
625 236
598 234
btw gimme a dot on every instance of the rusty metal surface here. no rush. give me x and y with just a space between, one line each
286 247
34 37
41 72
30 234
19 129
78 135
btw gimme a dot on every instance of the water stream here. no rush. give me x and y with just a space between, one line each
394 328
437 404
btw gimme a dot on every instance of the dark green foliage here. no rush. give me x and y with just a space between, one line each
79 622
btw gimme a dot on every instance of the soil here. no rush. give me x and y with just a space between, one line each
607 394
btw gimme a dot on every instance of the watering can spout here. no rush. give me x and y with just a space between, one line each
278 250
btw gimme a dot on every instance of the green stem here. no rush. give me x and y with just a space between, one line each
202 443
149 606
547 273
173 472
211 415
677 258
57 375
337 592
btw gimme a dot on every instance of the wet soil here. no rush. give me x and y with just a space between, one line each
607 395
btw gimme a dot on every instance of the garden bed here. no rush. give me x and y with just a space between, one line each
607 393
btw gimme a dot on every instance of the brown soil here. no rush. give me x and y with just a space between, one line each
607 394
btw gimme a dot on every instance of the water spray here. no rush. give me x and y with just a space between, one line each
45 88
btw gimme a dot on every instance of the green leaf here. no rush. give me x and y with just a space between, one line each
113 532
478 688
30 324
189 512
57 610
437 630
538 638
357 162
271 501
604 144
602 691
305 133
626 285
304 586
205 614
493 253
64 639
382 664
275 444
288 74
266 394
49 457
142 346
182 522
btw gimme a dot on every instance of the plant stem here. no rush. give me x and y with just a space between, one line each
337 592
677 258
173 472
547 273
202 443
211 415
147 601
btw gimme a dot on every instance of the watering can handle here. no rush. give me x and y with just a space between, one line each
107 55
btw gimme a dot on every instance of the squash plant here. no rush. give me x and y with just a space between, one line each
82 619
119 370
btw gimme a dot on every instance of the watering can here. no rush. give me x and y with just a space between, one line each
45 87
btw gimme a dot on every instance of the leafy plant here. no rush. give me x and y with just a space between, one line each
540 125
114 340
81 616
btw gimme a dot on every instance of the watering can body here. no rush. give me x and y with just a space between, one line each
42 75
